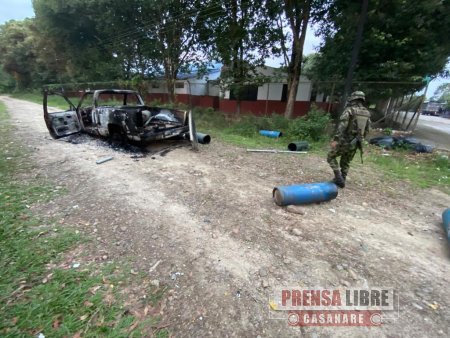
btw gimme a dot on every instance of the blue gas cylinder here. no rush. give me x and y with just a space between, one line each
446 221
304 193
271 133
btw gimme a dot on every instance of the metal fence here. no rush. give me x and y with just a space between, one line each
394 104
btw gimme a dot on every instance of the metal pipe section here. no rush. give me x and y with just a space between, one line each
104 159
274 151
203 138
304 193
446 221
298 146
271 133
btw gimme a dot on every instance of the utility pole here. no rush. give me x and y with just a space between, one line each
426 79
355 53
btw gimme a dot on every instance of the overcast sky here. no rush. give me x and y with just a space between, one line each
21 9
15 9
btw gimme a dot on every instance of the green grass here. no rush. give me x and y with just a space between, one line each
40 291
53 100
421 170
244 132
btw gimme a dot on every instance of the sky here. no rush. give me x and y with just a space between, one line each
15 10
21 9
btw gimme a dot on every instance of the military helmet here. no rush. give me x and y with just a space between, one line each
358 95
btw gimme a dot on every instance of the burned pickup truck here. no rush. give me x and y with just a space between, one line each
119 115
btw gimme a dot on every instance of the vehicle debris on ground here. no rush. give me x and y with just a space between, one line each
104 159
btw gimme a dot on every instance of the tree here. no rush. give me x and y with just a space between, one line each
176 39
298 14
17 55
239 34
403 41
442 94
74 32
7 83
293 18
125 29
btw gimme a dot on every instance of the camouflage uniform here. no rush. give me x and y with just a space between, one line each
353 126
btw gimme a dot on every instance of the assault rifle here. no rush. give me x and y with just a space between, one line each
359 145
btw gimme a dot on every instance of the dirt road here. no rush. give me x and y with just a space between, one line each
204 224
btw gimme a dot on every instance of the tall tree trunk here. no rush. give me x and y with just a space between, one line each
170 89
298 20
292 93
170 77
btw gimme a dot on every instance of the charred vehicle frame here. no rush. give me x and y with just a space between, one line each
118 114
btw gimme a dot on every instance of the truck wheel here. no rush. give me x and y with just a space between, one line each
117 137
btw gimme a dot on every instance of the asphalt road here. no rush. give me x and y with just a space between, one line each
432 130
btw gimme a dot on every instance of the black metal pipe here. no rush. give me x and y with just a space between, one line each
203 138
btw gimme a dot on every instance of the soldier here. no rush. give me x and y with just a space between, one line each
353 126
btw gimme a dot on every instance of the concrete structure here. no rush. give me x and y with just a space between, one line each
267 99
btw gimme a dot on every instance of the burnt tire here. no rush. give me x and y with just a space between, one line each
117 137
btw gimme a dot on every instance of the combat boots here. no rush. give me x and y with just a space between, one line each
344 175
338 179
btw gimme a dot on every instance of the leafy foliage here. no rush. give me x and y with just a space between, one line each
290 26
17 52
313 126
403 41
442 94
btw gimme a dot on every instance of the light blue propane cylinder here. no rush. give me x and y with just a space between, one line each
271 133
446 221
304 193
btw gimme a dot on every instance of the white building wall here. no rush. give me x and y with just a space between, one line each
213 90
304 91
194 87
157 87
270 91
184 89
197 87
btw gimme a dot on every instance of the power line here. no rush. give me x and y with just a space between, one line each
216 9
150 24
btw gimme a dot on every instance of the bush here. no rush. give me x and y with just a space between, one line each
313 126
207 118
247 125
275 122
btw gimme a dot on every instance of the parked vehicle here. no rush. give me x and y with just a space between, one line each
118 114
431 108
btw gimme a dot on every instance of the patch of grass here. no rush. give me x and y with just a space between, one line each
42 293
53 100
244 131
421 170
